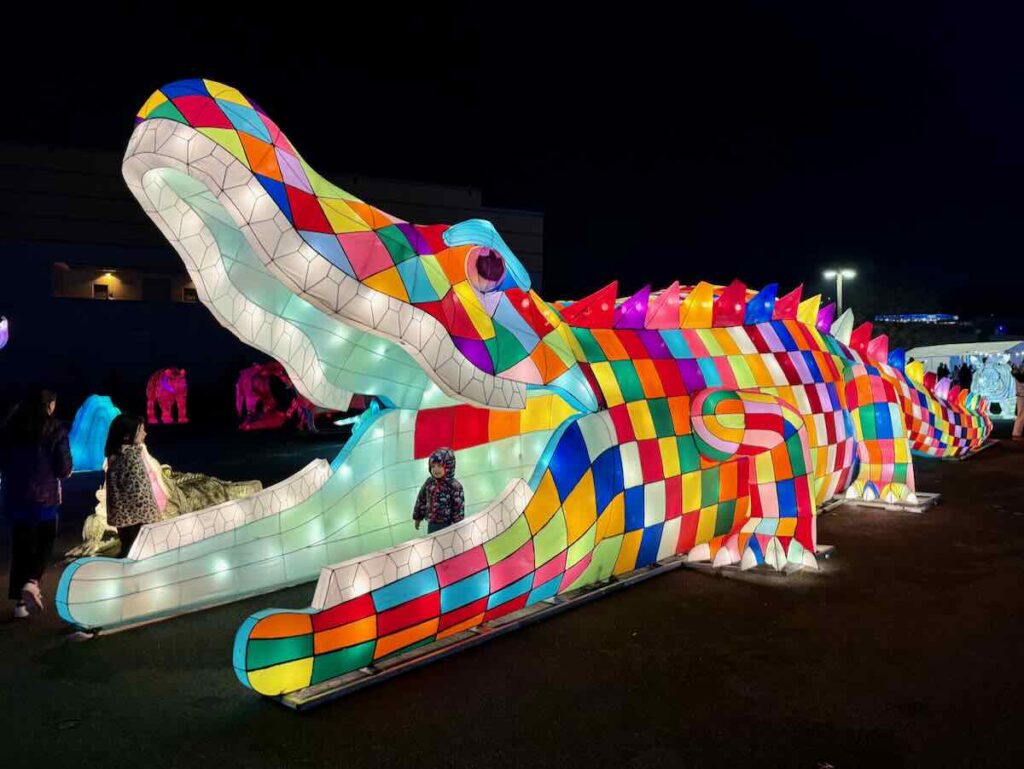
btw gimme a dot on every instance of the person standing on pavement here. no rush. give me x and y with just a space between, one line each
1018 425
35 456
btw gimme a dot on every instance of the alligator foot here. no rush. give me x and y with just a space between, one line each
869 491
768 541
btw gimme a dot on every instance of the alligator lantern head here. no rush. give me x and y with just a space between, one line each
445 304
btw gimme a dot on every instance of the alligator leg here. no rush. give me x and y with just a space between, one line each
886 470
768 438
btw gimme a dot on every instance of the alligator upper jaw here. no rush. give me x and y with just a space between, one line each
166 146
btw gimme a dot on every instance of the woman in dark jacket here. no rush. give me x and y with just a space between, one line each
34 457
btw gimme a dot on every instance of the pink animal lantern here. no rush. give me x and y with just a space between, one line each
254 399
167 388
258 408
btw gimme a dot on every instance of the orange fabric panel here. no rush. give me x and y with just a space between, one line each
283 626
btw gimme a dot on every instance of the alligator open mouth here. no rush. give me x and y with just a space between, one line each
335 337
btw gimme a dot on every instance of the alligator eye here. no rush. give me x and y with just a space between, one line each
485 268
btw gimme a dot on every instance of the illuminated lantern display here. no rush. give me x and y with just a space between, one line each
167 388
254 397
5 332
593 438
89 432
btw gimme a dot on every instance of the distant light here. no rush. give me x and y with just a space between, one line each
108 274
830 274
918 317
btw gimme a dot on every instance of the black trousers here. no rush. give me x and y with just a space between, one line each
127 535
31 548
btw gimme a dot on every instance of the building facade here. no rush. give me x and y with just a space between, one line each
96 300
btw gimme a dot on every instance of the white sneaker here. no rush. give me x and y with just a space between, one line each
20 611
32 597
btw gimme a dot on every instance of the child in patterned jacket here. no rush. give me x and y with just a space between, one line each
440 501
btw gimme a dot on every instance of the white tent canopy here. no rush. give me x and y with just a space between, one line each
1015 349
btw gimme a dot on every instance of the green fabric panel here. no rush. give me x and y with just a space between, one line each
169 111
689 457
505 349
581 547
867 422
591 349
508 541
396 243
337 663
662 417
264 652
709 487
741 370
796 455
629 382
550 540
724 517
602 564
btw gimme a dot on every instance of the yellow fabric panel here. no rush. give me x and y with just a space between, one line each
608 383
691 491
627 555
342 217
669 456
471 304
155 100
225 93
613 520
764 468
786 527
640 416
580 508
544 504
706 524
286 677
389 282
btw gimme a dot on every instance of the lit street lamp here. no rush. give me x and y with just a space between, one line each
839 275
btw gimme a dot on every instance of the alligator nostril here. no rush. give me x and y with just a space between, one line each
489 265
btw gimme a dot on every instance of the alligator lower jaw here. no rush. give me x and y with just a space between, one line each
243 254
325 514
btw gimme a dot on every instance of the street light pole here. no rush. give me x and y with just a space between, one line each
839 275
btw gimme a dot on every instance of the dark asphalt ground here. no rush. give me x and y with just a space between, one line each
905 650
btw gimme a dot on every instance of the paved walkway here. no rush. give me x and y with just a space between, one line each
906 650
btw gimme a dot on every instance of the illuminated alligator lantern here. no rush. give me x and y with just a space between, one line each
594 437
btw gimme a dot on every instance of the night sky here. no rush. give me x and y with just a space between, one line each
763 141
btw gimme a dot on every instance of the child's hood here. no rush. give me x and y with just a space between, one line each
447 458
